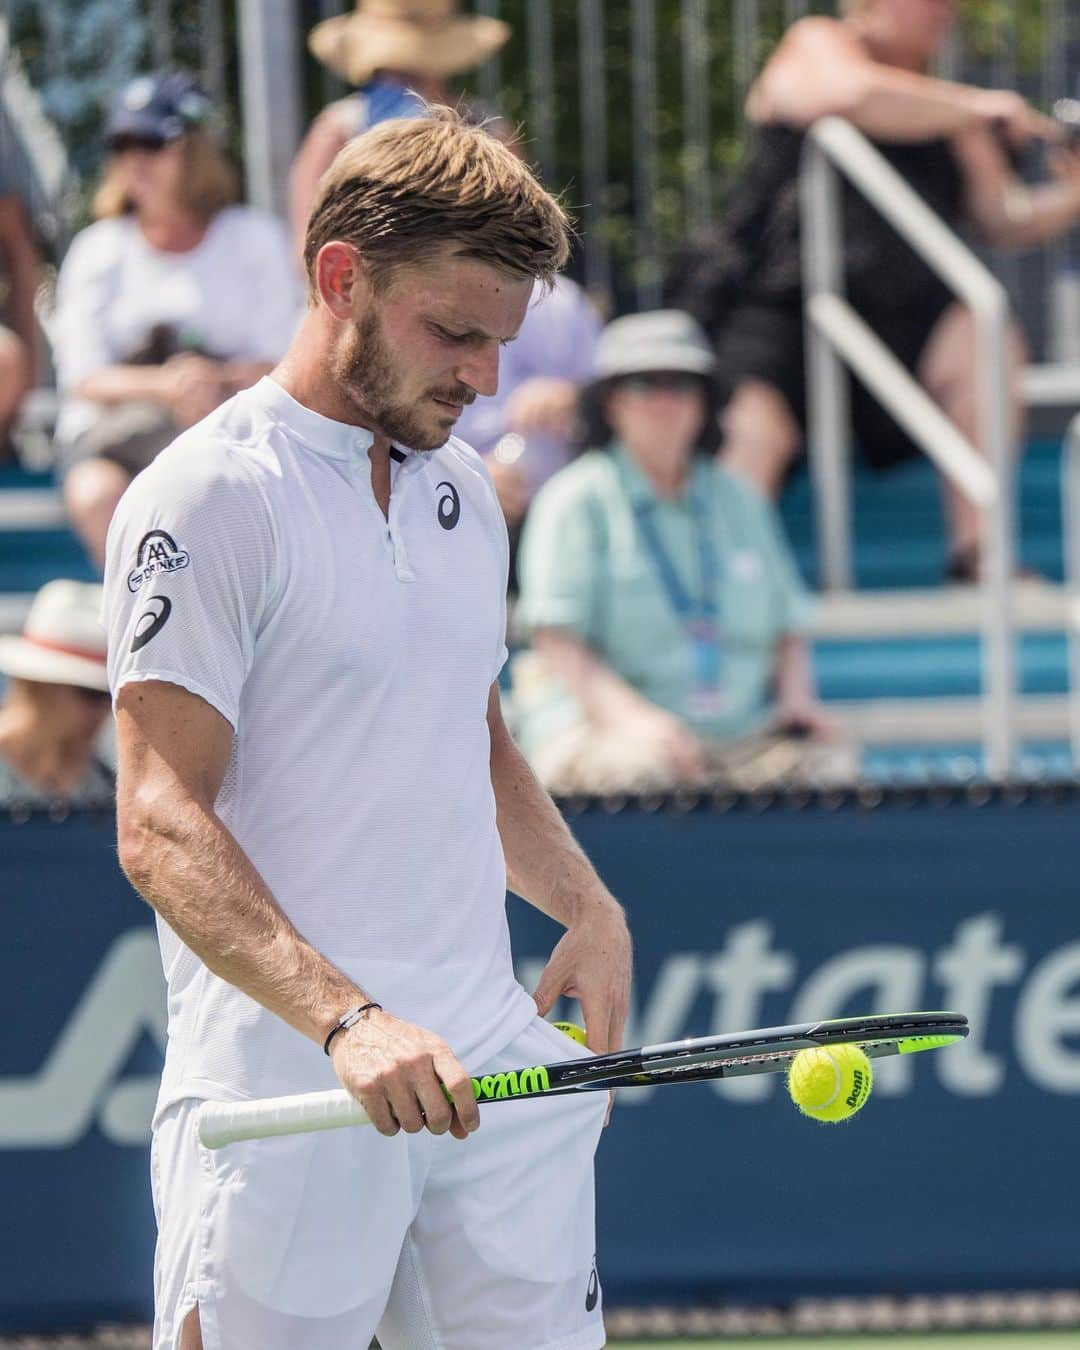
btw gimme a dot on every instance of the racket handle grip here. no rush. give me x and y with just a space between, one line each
221 1123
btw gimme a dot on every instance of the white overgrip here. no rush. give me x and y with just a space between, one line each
221 1123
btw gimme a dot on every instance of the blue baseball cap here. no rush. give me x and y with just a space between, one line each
157 108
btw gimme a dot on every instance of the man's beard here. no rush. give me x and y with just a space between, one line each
363 369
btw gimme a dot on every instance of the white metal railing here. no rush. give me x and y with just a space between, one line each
1070 506
836 335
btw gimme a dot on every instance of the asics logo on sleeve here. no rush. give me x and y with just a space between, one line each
158 552
449 506
151 621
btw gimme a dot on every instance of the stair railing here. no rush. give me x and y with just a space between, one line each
836 337
1070 506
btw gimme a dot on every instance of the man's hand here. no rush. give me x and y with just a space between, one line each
593 962
1007 111
192 387
543 405
805 717
397 1071
511 489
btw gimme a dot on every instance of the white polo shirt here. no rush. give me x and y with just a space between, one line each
353 656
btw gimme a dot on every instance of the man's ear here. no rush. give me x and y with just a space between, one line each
339 271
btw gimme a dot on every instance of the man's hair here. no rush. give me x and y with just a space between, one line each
208 185
409 185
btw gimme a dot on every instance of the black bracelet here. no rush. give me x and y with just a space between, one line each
347 1020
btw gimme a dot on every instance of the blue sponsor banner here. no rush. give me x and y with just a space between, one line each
959 1174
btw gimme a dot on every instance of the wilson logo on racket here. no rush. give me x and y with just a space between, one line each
495 1087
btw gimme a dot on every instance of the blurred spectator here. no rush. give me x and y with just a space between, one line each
170 303
19 264
954 144
524 430
56 702
399 55
665 612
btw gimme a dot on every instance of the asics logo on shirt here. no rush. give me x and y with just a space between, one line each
151 621
449 506
157 552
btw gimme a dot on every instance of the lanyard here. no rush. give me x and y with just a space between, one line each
695 614
699 616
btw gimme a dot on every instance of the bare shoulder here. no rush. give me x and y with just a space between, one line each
815 38
818 29
800 80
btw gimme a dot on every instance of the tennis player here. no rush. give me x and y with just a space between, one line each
318 796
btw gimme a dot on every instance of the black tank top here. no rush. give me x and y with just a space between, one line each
753 257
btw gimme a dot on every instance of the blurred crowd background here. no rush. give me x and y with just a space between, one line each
157 161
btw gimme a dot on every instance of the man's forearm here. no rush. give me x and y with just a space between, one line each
198 878
545 865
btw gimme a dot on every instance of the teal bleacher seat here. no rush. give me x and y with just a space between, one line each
899 536
33 555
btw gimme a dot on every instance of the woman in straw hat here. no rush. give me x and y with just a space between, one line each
56 702
398 54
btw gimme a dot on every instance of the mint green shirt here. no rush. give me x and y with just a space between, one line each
586 568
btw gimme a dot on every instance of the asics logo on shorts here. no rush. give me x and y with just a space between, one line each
449 506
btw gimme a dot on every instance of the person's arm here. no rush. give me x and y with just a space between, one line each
610 702
173 752
22 265
1005 211
88 362
820 69
593 959
124 384
324 139
237 375
797 707
187 385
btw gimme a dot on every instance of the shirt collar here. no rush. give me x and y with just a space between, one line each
335 440
641 492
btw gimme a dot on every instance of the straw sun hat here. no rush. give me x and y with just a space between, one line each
430 37
62 641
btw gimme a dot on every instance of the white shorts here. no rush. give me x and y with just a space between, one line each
321 1240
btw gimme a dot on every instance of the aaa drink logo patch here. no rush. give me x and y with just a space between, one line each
158 552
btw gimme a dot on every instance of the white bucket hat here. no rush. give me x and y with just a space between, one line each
62 641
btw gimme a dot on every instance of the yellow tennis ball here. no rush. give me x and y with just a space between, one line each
570 1029
830 1083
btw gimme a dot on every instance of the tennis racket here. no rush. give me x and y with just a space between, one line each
767 1050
